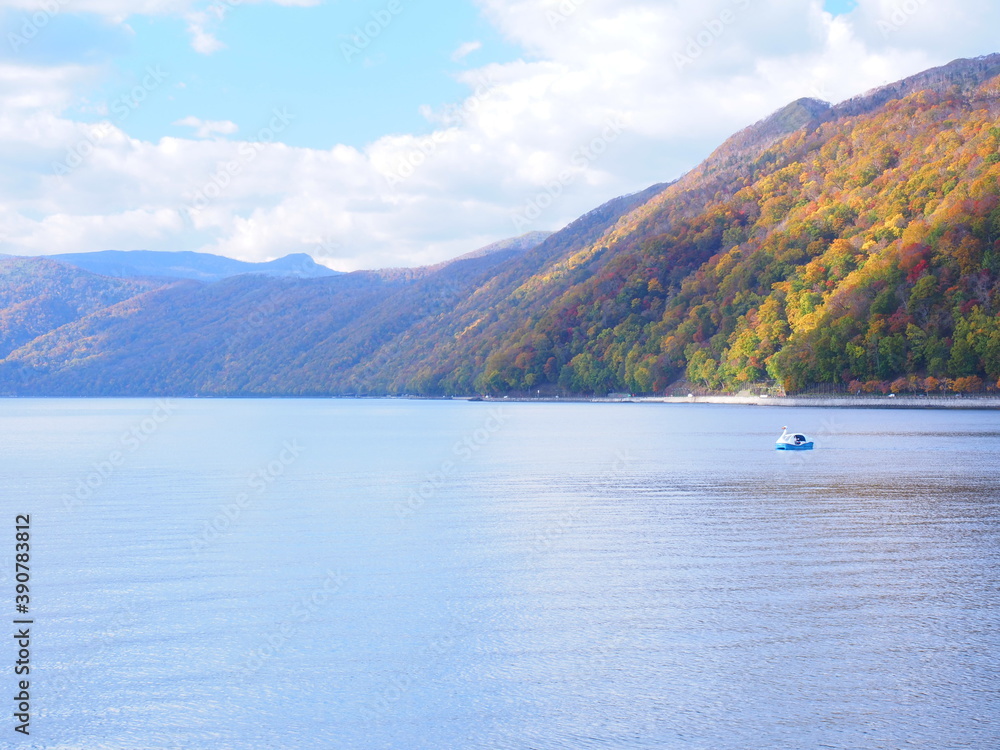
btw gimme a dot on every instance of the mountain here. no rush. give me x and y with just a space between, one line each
39 295
521 244
190 328
960 77
132 264
854 246
858 250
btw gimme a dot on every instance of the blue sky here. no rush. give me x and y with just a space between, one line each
291 57
839 7
281 56
138 124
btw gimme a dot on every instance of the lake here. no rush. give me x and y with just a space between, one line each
251 574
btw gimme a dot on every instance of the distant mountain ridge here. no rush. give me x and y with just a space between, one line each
189 265
521 244
962 75
854 246
809 112
206 267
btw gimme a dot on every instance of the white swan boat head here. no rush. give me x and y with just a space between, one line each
793 441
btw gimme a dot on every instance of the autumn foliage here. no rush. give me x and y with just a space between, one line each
865 250
853 248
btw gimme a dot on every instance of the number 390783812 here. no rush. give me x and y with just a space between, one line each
22 558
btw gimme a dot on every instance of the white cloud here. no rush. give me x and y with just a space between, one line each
202 40
82 233
25 87
115 11
208 128
201 15
465 49
680 76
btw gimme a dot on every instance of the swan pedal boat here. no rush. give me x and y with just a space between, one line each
791 441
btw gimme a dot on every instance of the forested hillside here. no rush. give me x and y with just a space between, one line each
857 250
38 296
855 247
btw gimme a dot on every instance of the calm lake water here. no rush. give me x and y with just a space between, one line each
406 574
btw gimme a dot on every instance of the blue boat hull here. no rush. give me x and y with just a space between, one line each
793 447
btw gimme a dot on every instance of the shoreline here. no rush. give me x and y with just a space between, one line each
850 402
969 403
827 402
838 402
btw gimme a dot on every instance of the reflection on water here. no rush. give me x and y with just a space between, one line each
400 574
